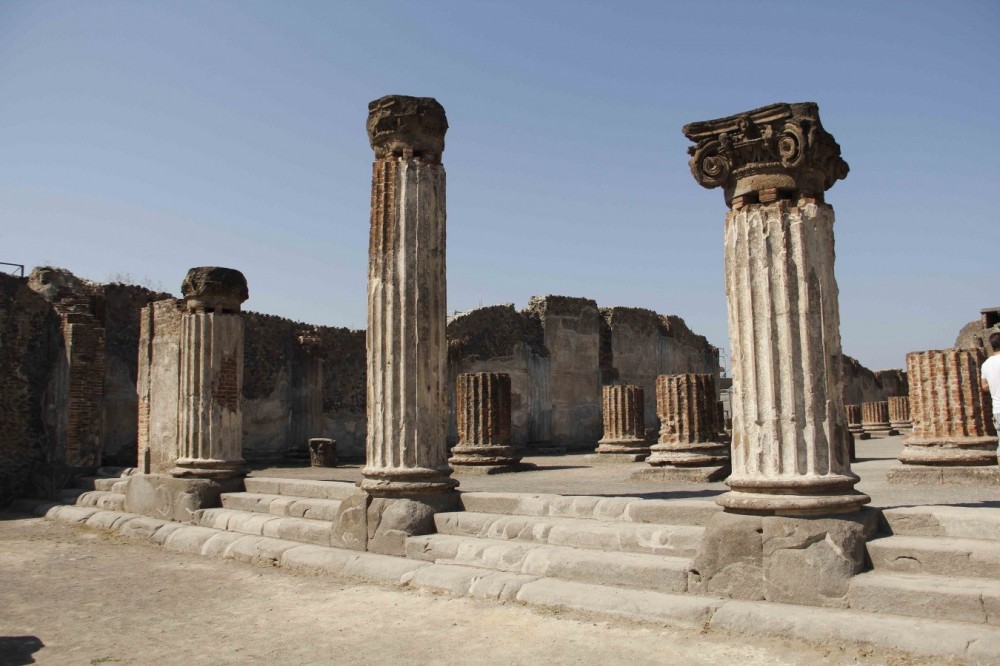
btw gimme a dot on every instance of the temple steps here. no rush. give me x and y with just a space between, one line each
936 556
107 483
282 505
300 488
647 538
652 572
301 530
975 600
101 499
623 509
978 522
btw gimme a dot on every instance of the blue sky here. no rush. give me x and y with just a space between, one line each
144 138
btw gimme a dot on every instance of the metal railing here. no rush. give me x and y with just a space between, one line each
18 269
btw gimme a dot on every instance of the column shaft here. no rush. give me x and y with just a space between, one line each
624 421
689 422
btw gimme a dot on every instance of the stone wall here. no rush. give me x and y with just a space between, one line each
30 340
559 351
863 385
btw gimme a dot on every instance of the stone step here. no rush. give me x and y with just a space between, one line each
301 530
650 538
102 499
627 509
938 556
282 505
97 482
952 521
653 572
332 490
937 597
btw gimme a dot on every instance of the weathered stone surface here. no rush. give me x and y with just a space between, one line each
689 426
212 288
899 412
392 520
875 418
952 417
853 413
350 526
772 152
484 428
169 498
407 127
801 560
406 450
957 475
669 474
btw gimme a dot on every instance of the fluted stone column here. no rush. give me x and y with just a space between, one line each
407 410
482 403
875 418
624 416
210 422
953 438
790 438
790 448
853 413
899 412
688 448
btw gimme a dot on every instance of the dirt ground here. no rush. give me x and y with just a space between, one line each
74 595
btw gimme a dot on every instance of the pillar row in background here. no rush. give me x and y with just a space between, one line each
875 418
899 412
624 417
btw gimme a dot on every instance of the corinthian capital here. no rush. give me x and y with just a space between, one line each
776 151
407 127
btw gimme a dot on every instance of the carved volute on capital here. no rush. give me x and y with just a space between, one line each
774 152
407 127
214 289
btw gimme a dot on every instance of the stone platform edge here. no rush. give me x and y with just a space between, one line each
914 636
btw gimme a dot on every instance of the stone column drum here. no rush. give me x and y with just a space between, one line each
953 438
688 448
790 437
210 422
482 402
792 530
406 451
624 415
899 412
853 413
875 418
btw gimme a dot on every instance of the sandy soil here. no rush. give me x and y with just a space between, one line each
74 595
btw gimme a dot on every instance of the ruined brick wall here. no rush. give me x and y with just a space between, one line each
29 345
344 389
500 339
638 344
863 385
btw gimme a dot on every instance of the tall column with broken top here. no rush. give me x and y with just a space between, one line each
210 422
407 409
790 437
952 417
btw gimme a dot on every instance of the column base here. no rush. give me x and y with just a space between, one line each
671 474
205 468
412 482
802 496
881 429
958 475
864 435
610 458
691 455
949 451
636 446
902 425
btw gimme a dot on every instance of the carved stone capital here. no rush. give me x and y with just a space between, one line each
407 127
215 289
774 152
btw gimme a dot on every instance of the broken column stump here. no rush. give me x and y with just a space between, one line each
953 438
793 529
482 401
899 413
875 418
322 452
624 439
688 448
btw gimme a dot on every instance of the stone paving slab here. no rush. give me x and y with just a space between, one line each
940 556
975 600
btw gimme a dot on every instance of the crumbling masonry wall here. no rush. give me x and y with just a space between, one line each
863 385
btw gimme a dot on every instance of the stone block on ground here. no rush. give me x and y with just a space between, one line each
170 498
681 474
948 475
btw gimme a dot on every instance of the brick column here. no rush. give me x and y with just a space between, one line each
952 419
899 412
210 423
482 403
853 413
624 418
689 446
875 418
406 451
790 438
